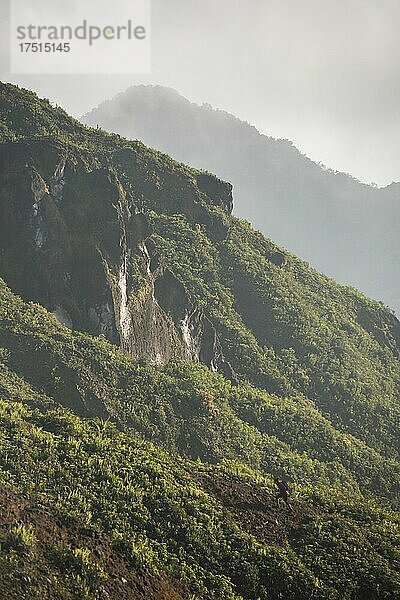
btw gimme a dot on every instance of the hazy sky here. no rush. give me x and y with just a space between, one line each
323 73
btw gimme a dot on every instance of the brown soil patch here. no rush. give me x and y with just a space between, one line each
124 581
256 510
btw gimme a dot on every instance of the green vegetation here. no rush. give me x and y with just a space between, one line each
34 118
165 472
161 519
168 516
291 330
21 538
183 408
78 561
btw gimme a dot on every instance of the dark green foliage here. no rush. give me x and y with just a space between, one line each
290 330
154 506
164 522
185 407
21 538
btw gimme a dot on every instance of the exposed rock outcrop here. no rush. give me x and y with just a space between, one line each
384 328
75 238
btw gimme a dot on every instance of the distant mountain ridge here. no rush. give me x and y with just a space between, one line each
345 228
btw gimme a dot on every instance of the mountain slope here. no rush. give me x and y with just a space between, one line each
346 229
93 510
187 360
185 408
174 275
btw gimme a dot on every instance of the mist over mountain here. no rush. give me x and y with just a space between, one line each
345 228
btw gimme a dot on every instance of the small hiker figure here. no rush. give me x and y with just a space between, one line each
283 488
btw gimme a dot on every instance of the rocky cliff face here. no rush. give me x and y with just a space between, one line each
74 237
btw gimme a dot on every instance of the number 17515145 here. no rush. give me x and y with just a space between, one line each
44 47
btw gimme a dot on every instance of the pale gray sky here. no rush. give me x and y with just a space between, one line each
323 73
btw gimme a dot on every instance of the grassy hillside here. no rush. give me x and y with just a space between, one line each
289 329
97 507
131 471
183 407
